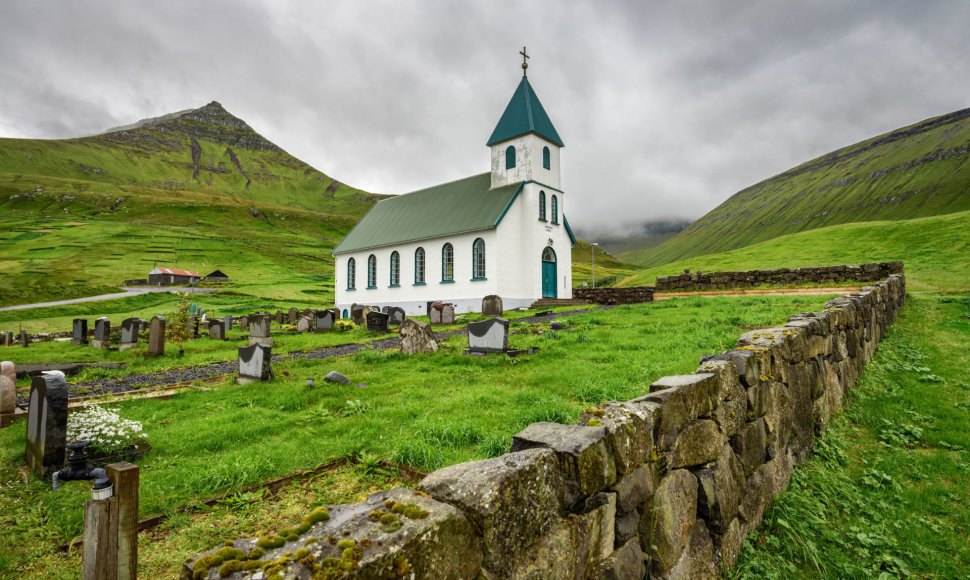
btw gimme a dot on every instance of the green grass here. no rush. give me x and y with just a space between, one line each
426 411
935 252
917 171
888 491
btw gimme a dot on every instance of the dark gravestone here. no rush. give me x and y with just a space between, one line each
244 323
227 323
259 330
492 305
442 313
80 333
156 336
47 422
293 315
217 330
396 316
254 362
322 320
377 321
357 314
8 338
24 338
129 333
490 335
102 333
278 317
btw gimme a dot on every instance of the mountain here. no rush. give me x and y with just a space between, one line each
198 189
913 172
645 235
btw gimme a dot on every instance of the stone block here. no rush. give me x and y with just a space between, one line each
672 521
587 463
417 337
636 487
698 443
757 396
673 415
513 500
626 528
698 390
727 546
629 431
779 419
749 445
719 490
697 561
730 415
728 384
623 564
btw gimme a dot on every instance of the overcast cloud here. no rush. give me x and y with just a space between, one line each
666 108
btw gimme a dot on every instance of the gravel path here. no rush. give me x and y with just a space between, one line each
169 377
127 292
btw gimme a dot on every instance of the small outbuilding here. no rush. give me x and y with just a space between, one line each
217 276
170 277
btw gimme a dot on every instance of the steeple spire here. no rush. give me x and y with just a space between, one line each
525 65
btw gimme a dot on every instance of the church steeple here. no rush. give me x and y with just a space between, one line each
523 115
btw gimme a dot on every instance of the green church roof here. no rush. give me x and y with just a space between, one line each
460 206
524 115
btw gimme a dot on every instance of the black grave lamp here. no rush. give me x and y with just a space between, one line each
78 469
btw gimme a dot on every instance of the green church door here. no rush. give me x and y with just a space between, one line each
549 273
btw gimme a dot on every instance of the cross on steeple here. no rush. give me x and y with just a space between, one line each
525 65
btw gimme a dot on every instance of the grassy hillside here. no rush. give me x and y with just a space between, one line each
935 250
609 270
917 171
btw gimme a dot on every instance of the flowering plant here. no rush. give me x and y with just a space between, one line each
344 325
105 429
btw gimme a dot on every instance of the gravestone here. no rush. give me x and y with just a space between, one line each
357 314
259 330
217 330
416 337
227 323
395 314
492 305
244 322
442 313
377 321
293 315
80 334
156 336
24 338
304 324
47 422
322 320
254 361
490 335
8 338
129 333
8 390
278 317
102 333
335 377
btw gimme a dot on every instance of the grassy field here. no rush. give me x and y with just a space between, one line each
916 171
888 492
935 251
424 411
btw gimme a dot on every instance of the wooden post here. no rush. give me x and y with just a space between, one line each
124 477
100 556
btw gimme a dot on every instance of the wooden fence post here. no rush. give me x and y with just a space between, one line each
124 478
100 556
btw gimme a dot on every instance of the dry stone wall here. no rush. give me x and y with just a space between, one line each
627 295
669 483
700 281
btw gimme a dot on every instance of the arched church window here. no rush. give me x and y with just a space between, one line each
372 271
478 259
542 205
395 269
351 274
447 263
419 266
545 158
510 157
555 210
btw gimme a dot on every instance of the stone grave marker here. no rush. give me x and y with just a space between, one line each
102 333
322 320
490 335
80 333
24 338
259 330
442 313
254 361
304 324
47 422
8 338
416 337
357 314
278 317
395 315
293 316
8 391
129 333
244 322
377 321
492 305
227 323
156 336
217 330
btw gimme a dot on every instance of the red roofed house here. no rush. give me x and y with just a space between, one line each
169 277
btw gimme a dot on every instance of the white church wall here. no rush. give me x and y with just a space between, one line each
528 162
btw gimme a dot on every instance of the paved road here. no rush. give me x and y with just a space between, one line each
127 292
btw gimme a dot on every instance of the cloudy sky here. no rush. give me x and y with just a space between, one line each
666 108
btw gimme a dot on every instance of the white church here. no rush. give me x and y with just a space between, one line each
503 232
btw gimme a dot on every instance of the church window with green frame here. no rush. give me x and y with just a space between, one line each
372 271
351 274
555 210
395 269
546 162
419 266
542 205
447 263
510 157
478 259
